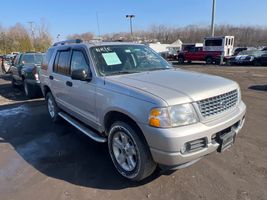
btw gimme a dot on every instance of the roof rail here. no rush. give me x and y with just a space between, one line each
68 42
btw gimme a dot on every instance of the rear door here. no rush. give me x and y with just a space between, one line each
82 93
60 77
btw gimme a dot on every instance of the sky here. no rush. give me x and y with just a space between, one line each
66 17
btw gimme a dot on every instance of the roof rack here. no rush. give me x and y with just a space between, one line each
68 42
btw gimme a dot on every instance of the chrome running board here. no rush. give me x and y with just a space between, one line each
82 128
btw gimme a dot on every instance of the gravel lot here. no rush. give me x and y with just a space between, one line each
42 160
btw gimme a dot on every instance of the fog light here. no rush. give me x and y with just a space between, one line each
183 149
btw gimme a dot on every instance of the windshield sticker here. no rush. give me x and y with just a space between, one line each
111 58
127 50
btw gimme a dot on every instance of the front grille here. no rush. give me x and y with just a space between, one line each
215 105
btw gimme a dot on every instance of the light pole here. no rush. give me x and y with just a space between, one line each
213 17
131 26
32 34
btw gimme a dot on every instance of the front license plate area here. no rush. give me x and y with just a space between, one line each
226 140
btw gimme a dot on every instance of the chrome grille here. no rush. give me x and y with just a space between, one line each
215 105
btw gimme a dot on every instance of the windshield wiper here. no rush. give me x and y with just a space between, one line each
121 72
155 69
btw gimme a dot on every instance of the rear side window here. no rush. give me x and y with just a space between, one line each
47 58
62 63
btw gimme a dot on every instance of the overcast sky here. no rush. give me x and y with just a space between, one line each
76 16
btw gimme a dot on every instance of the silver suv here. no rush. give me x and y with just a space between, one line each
148 112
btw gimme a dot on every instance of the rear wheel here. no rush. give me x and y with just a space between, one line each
29 90
52 108
129 153
209 61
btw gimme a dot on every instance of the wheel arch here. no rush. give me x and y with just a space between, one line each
113 116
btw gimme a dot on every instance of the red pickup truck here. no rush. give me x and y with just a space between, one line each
197 54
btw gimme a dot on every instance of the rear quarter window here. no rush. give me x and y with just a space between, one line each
47 59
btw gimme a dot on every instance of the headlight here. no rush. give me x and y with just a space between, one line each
178 115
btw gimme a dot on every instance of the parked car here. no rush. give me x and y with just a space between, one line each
149 113
197 54
262 59
25 71
247 57
238 50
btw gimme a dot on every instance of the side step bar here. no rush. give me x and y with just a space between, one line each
82 128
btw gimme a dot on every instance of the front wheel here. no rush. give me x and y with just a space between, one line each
129 153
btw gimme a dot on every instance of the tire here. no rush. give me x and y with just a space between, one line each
29 90
209 60
52 108
181 60
189 61
256 63
129 153
13 83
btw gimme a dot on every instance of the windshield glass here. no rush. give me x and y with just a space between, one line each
125 59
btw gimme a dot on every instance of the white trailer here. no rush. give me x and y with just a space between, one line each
224 44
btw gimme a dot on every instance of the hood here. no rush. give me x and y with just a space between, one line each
176 86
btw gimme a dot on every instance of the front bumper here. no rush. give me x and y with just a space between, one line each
166 144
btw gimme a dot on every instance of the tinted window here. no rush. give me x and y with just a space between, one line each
217 42
78 61
62 63
47 58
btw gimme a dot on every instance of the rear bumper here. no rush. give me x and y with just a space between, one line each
33 82
166 144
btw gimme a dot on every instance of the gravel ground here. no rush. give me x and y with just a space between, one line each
42 160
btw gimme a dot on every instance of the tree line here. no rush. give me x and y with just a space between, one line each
245 36
18 38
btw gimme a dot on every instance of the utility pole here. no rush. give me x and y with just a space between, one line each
131 26
213 17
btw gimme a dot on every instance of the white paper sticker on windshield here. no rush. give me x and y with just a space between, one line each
111 58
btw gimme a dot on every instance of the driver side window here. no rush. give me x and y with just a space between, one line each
78 61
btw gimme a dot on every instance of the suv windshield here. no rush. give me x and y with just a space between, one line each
125 59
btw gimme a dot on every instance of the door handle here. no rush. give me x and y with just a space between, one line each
68 83
51 77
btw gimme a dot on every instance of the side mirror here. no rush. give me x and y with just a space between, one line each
81 74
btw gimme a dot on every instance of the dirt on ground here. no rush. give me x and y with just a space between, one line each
42 160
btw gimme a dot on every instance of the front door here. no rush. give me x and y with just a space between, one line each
82 93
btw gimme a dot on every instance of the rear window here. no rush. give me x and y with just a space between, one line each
217 42
32 58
